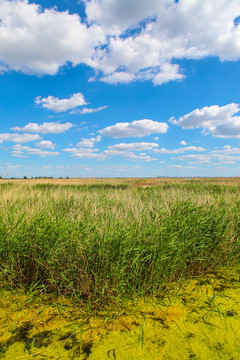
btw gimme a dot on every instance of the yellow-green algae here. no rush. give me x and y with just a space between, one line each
198 319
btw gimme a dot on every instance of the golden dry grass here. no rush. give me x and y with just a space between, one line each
233 181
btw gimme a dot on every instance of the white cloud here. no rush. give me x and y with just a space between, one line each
129 155
180 150
206 117
199 158
135 58
187 24
83 153
19 138
223 163
119 77
168 72
19 154
226 155
123 40
46 145
89 142
116 16
159 75
225 159
39 41
45 128
138 128
134 157
61 105
183 142
86 151
180 167
21 151
162 31
88 110
229 129
13 166
140 146
222 159
227 150
216 120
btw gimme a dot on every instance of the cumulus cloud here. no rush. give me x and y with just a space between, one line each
46 145
61 105
129 155
218 121
19 138
159 75
88 110
226 155
89 142
227 150
225 159
123 41
125 13
198 158
207 117
180 150
186 24
138 128
85 150
214 159
135 58
119 77
45 128
33 40
21 151
139 146
183 142
83 153
167 72
135 157
161 31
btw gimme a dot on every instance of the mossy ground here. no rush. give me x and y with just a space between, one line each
197 319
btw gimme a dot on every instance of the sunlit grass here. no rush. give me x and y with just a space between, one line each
108 239
119 268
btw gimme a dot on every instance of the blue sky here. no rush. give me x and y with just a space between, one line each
109 88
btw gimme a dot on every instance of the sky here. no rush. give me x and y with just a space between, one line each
110 88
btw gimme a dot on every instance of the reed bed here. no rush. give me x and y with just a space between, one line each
110 239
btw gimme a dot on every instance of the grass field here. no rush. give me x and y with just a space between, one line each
99 239
120 268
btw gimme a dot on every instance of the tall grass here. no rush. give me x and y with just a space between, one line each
98 241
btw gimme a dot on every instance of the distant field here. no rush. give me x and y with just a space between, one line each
108 238
234 181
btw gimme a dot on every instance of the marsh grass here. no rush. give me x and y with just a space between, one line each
103 241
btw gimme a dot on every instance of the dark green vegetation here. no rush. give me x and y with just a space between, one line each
104 241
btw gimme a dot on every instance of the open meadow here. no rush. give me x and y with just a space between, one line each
120 268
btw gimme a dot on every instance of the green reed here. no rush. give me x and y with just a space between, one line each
102 241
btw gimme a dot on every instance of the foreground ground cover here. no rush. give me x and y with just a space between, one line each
197 319
104 244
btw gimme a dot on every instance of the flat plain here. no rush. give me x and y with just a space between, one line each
115 262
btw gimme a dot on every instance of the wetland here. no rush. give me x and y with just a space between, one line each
120 269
